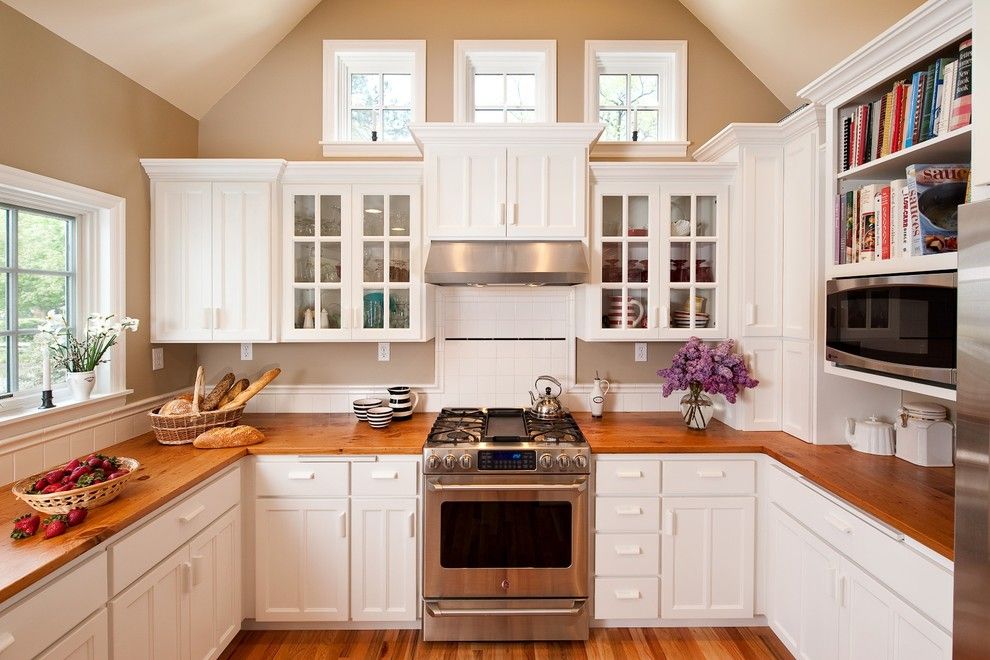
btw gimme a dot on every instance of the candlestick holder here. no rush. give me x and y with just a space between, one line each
46 400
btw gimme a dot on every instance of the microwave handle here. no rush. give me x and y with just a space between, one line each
940 280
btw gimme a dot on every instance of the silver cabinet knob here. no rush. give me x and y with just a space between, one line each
465 461
581 461
564 461
433 461
546 461
449 461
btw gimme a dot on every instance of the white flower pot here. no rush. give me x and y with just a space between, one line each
81 384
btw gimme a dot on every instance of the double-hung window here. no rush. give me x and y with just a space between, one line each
37 275
505 81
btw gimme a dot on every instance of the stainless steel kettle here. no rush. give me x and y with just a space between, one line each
547 405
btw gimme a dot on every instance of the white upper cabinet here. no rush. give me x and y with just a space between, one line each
506 181
211 257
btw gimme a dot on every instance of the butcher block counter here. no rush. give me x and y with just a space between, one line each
917 501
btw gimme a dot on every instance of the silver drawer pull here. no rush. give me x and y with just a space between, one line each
627 594
435 611
626 550
629 510
302 476
629 474
385 475
6 641
838 523
188 517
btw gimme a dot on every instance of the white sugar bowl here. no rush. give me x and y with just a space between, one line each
924 435
870 436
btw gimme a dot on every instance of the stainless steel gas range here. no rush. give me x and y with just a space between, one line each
505 550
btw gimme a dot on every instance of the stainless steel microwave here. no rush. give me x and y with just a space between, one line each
899 325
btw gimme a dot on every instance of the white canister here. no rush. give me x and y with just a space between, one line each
924 436
598 391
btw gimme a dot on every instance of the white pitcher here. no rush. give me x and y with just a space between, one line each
402 401
598 391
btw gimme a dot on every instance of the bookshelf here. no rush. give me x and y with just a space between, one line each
953 147
923 264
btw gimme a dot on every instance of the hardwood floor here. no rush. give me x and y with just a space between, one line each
605 644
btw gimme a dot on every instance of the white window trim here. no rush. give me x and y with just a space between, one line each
636 50
100 273
505 56
336 54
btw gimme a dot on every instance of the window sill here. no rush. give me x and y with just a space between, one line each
371 150
27 418
625 149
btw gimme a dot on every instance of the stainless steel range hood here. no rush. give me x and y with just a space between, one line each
506 263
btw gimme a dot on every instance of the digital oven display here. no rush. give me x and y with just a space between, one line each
506 460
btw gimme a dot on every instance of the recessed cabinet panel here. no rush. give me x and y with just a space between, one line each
762 236
383 561
466 192
545 197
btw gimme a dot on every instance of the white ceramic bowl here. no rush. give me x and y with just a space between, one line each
362 406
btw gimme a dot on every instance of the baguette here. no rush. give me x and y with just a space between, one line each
253 389
237 436
197 389
235 389
212 400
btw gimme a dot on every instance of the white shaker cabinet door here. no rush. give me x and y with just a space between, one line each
706 557
242 258
383 559
546 192
762 240
301 555
182 306
215 598
465 188
88 641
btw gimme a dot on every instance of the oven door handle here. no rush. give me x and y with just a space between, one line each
577 487
434 611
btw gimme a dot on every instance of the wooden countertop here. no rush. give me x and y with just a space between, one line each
917 501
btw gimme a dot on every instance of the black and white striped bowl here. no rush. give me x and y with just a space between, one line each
380 417
362 406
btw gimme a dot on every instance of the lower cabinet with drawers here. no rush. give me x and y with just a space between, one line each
674 538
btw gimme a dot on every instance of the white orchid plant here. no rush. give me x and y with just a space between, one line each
80 355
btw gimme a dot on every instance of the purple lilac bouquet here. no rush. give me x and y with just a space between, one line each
702 368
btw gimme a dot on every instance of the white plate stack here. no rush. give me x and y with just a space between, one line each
680 318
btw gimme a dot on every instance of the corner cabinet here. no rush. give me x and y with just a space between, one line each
506 181
659 253
212 228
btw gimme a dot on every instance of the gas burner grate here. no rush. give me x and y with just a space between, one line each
561 430
458 425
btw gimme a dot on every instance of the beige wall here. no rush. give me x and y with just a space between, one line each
614 361
66 115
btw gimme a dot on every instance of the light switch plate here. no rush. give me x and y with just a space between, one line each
157 358
640 352
247 351
384 351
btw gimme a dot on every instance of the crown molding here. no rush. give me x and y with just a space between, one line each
353 172
536 133
213 169
741 134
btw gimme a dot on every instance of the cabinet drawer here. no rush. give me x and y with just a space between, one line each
301 479
709 477
132 556
627 514
627 554
627 477
37 622
385 478
923 583
627 598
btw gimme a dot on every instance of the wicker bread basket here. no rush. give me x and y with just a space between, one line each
89 497
183 429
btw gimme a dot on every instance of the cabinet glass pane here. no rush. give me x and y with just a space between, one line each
330 261
704 308
705 215
613 308
680 255
304 214
646 124
305 265
611 262
374 215
398 308
639 215
374 262
615 124
680 215
637 262
611 215
691 309
704 262
373 312
398 262
398 215
304 304
330 309
330 215
637 308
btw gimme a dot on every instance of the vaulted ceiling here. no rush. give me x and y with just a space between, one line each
192 52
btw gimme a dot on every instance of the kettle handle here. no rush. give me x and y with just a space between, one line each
551 379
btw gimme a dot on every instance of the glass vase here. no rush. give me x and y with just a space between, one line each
696 409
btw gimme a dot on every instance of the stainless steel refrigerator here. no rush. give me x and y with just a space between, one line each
971 620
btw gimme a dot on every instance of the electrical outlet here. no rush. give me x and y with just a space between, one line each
640 352
157 358
247 351
384 351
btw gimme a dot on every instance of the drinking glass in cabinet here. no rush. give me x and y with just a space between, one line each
330 309
611 262
680 215
398 308
639 216
304 308
680 255
612 216
330 261
638 263
704 217
304 214
398 215
329 215
305 254
374 309
374 215
398 264
374 262
704 262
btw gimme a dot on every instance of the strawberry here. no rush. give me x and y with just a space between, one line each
119 473
56 526
73 464
95 462
25 526
79 472
50 488
65 487
107 466
39 485
55 476
77 515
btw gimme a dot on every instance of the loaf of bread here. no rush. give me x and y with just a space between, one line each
234 390
212 400
234 436
176 407
198 389
252 389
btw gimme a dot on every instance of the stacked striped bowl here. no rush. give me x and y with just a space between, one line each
362 406
380 417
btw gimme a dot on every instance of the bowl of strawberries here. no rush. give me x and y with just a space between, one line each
87 482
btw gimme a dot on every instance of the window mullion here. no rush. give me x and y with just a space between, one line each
13 323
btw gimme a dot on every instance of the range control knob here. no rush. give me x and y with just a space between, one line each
580 461
465 461
546 461
564 461
449 462
433 461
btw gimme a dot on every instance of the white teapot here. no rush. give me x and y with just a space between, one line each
870 436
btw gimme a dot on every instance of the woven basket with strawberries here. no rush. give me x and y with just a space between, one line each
82 482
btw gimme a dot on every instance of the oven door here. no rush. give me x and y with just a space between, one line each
505 536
